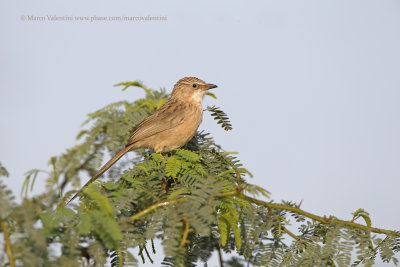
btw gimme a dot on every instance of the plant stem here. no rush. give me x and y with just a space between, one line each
157 205
185 232
7 243
221 262
290 233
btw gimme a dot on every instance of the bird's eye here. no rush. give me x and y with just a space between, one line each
194 85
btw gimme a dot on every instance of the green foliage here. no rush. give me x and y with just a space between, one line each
190 198
6 197
362 213
3 171
220 117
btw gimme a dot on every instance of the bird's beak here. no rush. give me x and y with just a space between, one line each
210 86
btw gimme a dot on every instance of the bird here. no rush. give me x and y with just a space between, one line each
169 127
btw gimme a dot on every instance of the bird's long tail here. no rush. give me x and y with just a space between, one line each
103 169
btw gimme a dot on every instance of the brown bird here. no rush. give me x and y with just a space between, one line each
169 127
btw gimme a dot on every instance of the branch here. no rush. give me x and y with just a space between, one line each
290 233
155 206
185 232
238 193
221 262
316 217
7 243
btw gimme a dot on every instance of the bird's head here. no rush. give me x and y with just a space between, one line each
191 89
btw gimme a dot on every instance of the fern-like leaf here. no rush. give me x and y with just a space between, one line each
3 171
134 83
188 155
221 117
223 227
173 166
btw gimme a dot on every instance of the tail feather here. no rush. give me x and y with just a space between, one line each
103 169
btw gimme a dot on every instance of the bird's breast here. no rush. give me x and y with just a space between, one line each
192 120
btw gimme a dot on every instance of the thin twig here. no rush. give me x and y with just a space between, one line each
221 262
148 255
290 233
268 213
185 232
157 205
7 243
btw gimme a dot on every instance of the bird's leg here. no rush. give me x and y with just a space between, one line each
164 185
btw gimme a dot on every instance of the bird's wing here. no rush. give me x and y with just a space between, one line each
170 115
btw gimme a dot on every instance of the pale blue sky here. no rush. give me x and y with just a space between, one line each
312 87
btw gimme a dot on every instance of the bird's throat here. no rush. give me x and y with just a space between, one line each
197 96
